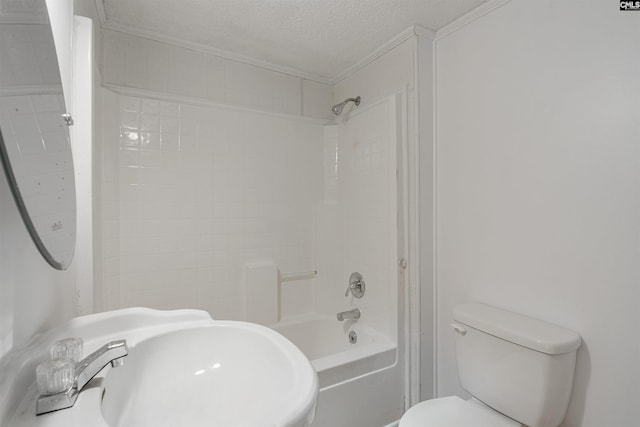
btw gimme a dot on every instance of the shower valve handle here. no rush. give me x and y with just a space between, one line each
355 286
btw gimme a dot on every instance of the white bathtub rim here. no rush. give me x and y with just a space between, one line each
353 355
357 377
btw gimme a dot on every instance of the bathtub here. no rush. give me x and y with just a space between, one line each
325 342
360 383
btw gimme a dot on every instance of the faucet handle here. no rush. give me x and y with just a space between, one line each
356 285
55 376
68 348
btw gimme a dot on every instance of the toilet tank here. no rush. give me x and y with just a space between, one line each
519 366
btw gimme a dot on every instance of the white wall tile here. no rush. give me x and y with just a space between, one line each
197 198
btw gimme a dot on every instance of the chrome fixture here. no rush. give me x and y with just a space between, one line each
353 337
356 285
67 119
113 352
337 109
350 314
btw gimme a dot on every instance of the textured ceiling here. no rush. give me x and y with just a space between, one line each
318 37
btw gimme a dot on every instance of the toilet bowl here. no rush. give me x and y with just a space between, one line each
518 370
452 411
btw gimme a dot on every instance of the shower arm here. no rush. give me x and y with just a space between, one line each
337 109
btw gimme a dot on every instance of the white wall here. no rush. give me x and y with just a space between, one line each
538 190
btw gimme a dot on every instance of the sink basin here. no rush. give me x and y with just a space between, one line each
223 374
183 369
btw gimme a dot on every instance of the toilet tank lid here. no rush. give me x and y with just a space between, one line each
525 331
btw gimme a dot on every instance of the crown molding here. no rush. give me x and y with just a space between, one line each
232 56
391 44
469 17
414 30
202 48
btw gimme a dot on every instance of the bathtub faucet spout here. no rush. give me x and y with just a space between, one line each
351 314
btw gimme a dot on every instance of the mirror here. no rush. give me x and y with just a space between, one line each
35 149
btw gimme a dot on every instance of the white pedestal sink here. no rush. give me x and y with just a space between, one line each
183 369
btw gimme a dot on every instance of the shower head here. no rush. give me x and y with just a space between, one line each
337 109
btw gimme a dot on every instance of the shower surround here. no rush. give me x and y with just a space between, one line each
202 191
210 165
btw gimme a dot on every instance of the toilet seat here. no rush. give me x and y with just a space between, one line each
452 411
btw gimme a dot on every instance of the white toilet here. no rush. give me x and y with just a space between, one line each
519 371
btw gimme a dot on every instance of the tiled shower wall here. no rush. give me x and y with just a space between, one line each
200 192
356 224
191 193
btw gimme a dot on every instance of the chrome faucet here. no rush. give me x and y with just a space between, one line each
351 314
113 352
